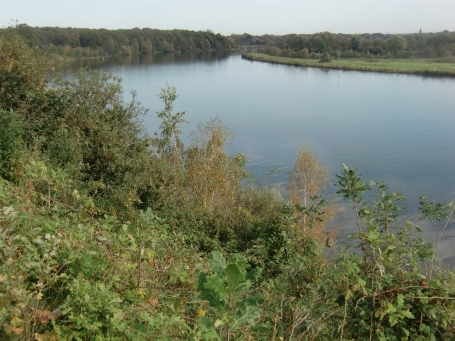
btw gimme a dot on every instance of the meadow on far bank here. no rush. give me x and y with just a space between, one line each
430 67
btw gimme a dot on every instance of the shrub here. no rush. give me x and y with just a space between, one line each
10 144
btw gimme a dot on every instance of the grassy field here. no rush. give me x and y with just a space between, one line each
430 67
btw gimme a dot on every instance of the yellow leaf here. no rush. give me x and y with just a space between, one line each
15 321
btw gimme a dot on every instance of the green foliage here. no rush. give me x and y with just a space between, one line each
10 144
396 44
435 211
352 186
97 138
91 310
66 275
387 293
81 42
22 71
224 289
325 58
169 141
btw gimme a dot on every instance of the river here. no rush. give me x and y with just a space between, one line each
399 129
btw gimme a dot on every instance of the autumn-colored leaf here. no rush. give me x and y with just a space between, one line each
153 302
44 316
17 331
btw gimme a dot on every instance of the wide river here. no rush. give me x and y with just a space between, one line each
399 129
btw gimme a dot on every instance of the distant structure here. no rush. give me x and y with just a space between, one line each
420 31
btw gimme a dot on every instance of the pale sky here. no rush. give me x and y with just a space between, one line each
256 17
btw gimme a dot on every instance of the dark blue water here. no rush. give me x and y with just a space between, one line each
399 129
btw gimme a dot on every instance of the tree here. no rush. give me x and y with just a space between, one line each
98 138
213 178
22 72
396 44
318 44
356 40
169 140
307 183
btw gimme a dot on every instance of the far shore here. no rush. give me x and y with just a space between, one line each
428 67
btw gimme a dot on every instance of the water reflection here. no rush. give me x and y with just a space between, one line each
148 59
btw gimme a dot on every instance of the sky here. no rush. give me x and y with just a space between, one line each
255 17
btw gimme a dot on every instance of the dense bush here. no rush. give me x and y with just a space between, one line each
10 144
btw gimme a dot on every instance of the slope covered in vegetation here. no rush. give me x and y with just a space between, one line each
107 233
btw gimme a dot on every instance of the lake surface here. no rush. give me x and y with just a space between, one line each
399 129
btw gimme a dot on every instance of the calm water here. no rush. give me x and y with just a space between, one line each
398 129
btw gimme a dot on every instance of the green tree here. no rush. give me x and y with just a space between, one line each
356 41
396 44
22 72
106 146
169 140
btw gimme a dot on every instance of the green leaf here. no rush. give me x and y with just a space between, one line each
234 276
140 328
217 262
400 300
424 328
408 314
248 312
405 331
239 260
392 320
390 308
254 274
435 283
216 284
212 290
208 331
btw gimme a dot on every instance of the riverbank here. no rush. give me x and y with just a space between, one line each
427 67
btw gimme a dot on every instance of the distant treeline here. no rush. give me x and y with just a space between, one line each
83 42
426 45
